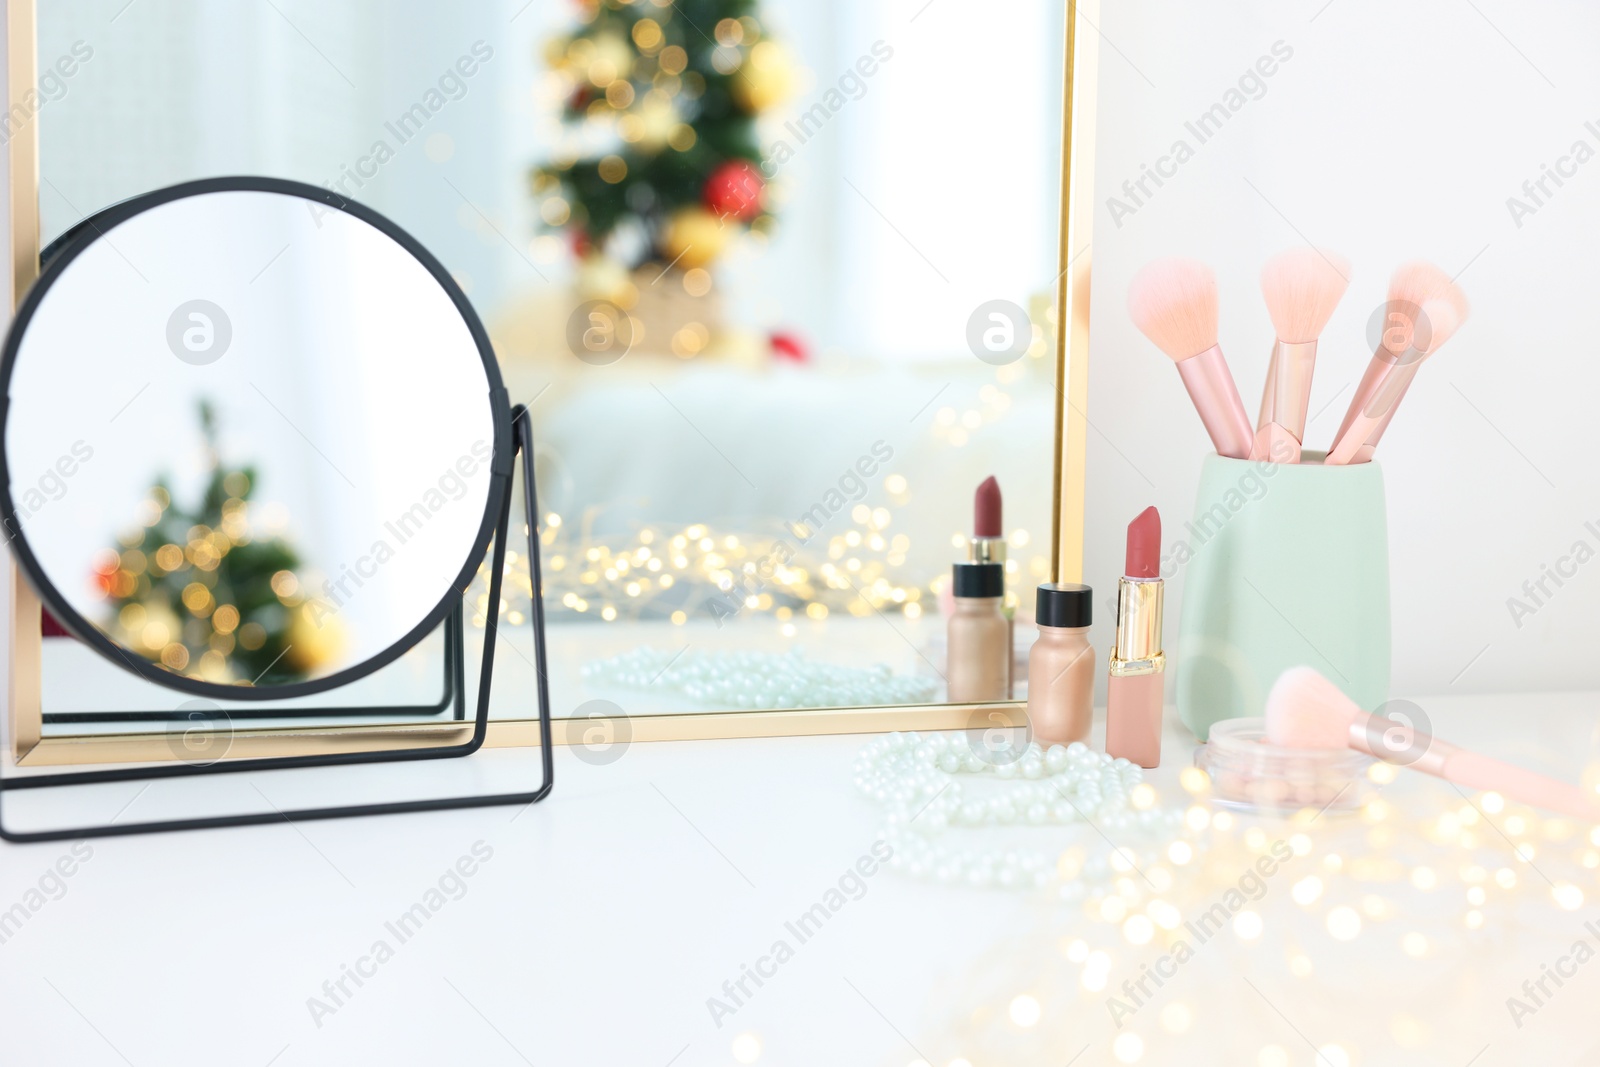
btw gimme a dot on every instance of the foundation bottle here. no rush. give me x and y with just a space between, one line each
979 667
1061 666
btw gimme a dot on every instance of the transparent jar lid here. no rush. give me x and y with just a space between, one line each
1248 772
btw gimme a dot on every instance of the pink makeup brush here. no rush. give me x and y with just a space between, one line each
1174 303
1412 330
1302 287
1438 321
1305 710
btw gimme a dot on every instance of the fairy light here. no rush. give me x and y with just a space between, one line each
1568 896
1414 945
1248 925
1333 1056
857 571
1164 914
1344 923
1272 1056
1025 1010
1096 970
1306 891
1128 1048
1176 1018
747 1048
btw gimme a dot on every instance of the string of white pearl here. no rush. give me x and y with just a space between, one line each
750 679
914 777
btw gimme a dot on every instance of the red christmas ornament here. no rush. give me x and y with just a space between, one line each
789 346
735 190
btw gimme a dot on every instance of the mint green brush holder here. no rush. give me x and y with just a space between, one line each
1288 565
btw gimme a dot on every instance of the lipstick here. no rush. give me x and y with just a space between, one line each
988 543
1133 702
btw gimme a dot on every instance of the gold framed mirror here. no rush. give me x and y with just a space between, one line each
51 189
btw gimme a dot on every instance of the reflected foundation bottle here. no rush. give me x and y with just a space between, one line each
979 667
1061 666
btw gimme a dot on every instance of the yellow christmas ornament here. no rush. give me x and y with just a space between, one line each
613 59
316 638
694 237
657 119
602 278
766 79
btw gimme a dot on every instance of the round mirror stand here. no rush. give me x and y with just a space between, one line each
352 468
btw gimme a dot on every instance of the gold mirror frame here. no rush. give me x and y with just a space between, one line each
24 669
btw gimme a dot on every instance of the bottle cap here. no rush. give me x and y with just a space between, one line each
978 579
1065 605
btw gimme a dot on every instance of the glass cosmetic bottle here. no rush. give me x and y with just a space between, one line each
1061 666
979 667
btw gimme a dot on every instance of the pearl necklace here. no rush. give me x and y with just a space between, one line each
748 679
914 778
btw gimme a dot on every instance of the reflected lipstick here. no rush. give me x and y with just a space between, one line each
1133 702
988 544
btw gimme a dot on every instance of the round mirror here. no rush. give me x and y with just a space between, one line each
249 437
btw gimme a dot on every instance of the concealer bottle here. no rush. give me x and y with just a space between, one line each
979 644
1061 666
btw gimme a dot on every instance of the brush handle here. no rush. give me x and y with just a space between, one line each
1476 771
1282 427
1398 743
1216 398
1373 416
1382 363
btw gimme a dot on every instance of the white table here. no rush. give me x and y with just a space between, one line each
608 915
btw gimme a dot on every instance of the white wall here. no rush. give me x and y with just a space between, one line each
1394 131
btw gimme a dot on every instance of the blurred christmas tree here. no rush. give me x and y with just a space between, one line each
670 90
195 591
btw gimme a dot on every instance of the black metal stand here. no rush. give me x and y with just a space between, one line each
522 442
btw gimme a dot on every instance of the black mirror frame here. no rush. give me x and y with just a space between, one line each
79 238
513 435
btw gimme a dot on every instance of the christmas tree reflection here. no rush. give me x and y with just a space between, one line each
195 590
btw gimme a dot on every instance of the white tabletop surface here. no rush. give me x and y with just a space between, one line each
606 917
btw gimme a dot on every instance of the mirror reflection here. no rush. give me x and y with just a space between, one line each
775 284
264 434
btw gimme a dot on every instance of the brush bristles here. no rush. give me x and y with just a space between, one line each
1302 287
1412 288
1440 321
1174 303
1305 710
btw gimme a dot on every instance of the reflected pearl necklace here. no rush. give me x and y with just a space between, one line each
753 679
914 777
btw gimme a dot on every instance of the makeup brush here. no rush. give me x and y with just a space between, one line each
1436 324
1305 710
1301 287
1412 287
1174 303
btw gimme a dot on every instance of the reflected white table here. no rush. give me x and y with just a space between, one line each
595 927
